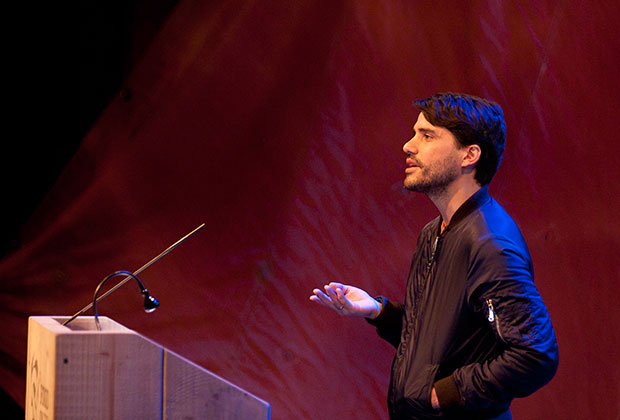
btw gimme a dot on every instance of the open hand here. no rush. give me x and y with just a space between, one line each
347 300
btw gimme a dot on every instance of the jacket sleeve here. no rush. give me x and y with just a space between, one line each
389 322
501 288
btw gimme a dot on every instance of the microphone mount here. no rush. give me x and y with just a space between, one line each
130 275
150 302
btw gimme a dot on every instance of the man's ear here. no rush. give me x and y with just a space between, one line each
472 156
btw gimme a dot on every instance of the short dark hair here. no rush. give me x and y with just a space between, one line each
472 120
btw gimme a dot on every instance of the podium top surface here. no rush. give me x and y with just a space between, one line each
81 325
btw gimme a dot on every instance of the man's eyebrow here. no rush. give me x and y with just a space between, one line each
424 130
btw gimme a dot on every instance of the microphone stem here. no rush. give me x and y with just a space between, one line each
138 271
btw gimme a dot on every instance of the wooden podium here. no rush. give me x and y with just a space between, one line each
77 372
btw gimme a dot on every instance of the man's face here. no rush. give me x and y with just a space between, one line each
433 158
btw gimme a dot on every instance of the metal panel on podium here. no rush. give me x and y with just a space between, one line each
78 372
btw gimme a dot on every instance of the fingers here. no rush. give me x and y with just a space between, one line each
324 298
336 296
320 297
332 298
335 285
342 299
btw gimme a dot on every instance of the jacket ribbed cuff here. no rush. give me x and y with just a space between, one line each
447 393
384 312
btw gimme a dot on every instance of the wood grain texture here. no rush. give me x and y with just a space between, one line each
77 372
192 392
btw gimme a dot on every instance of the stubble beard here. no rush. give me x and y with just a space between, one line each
433 180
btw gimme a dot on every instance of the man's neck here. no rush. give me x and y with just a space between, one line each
449 200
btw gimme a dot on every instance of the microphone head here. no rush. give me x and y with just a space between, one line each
150 303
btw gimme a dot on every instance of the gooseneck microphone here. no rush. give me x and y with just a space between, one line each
150 303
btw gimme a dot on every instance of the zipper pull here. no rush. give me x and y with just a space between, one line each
491 316
435 246
432 258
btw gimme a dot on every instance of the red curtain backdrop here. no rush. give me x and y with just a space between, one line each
280 125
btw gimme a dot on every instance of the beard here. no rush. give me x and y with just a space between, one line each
433 179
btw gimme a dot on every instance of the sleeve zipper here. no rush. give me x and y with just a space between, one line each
492 317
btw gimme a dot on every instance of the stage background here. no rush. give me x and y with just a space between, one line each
280 125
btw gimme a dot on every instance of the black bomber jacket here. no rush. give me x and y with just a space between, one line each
473 324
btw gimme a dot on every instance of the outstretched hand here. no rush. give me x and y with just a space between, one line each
347 300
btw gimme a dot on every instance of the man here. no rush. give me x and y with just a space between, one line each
473 332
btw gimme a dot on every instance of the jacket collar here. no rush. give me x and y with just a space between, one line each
471 204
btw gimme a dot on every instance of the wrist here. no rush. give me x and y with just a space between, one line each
378 307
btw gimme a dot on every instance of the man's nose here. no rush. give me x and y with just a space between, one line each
410 147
